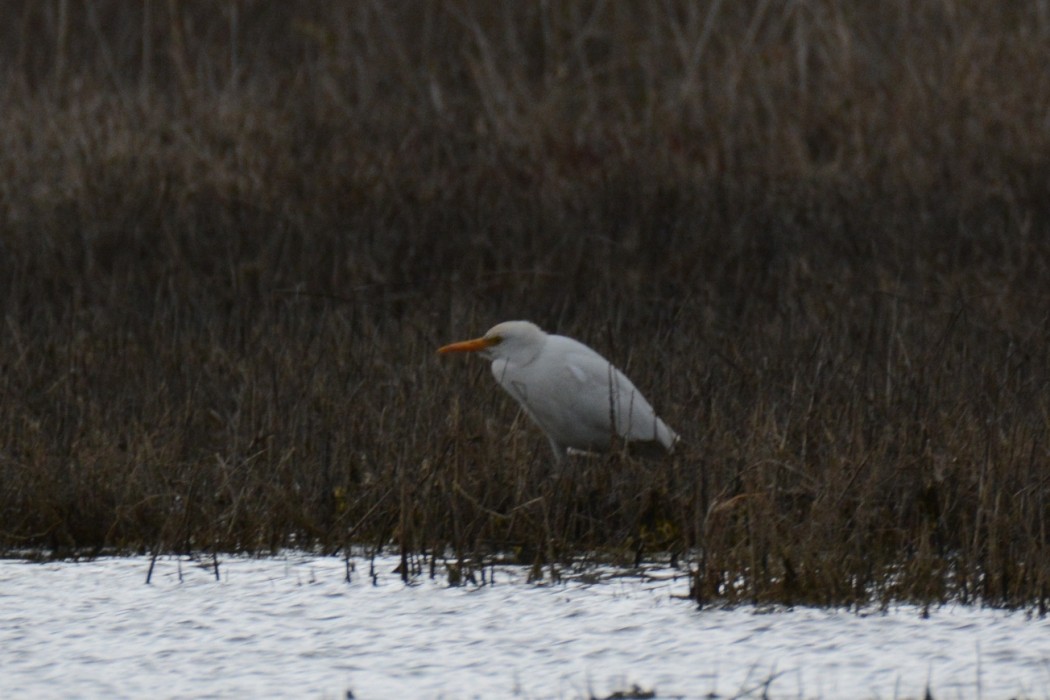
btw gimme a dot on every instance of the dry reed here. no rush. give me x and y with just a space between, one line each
816 234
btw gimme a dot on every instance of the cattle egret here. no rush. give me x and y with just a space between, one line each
576 396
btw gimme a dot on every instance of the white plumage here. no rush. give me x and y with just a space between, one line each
576 396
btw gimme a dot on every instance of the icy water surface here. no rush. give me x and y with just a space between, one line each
293 627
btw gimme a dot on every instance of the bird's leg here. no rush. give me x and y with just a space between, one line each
560 452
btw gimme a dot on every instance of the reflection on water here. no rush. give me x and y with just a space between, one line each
293 627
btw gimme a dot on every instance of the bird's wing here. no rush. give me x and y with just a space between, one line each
600 390
579 399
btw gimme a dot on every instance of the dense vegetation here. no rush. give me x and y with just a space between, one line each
816 234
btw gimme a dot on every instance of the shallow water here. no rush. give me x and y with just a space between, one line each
293 627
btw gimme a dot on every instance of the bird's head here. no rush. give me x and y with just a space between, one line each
519 341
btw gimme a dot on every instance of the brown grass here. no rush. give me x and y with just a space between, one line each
817 235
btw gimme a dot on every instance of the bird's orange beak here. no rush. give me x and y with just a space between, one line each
468 345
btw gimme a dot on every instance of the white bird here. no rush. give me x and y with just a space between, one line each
576 396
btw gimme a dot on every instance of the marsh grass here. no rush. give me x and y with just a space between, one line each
815 235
